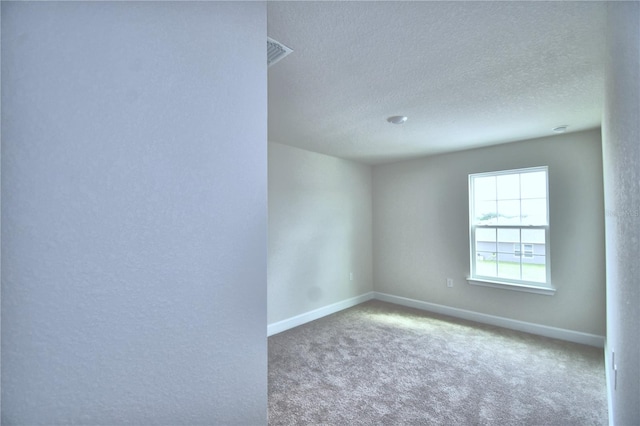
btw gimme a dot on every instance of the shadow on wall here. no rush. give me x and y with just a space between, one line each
308 256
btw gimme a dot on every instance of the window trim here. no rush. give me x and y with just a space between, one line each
505 283
549 291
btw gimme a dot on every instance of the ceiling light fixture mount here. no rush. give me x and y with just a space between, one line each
561 129
397 119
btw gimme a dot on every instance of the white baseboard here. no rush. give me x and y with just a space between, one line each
280 326
527 327
541 330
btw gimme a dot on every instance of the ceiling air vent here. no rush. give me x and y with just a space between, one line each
276 51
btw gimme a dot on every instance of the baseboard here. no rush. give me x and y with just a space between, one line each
527 327
541 330
280 326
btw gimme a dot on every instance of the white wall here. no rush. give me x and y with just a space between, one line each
621 154
421 234
134 213
319 231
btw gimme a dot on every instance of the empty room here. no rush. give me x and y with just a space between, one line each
336 213
436 205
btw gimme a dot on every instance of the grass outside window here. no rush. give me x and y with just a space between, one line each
530 271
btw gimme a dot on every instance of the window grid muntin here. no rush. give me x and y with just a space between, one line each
474 251
519 172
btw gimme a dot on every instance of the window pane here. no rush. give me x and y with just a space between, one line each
485 212
486 240
534 211
510 236
508 256
534 269
486 251
484 188
509 212
486 264
509 253
508 187
535 236
517 250
484 234
533 185
509 268
527 250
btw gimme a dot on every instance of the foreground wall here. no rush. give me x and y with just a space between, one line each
319 231
133 213
421 231
621 153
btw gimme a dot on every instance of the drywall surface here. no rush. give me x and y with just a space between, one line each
134 213
421 231
319 231
621 156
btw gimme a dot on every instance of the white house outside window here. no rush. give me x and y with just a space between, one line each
509 229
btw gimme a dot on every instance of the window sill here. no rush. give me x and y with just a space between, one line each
549 291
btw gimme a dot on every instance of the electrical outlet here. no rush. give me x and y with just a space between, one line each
449 282
615 377
350 276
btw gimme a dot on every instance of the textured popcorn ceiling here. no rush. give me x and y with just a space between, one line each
466 74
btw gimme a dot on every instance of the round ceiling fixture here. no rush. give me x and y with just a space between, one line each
397 119
561 129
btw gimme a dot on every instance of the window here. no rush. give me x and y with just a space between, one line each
509 229
516 250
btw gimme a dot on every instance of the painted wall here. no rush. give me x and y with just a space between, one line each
621 154
319 231
421 231
134 213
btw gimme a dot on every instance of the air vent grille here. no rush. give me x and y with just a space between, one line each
276 51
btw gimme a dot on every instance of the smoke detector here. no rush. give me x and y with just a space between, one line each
397 119
276 51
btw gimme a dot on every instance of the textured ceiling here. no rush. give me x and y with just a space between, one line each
467 74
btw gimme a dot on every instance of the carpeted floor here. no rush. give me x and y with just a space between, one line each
383 364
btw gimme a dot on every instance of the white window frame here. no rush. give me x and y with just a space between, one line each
505 283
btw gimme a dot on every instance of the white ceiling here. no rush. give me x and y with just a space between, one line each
467 74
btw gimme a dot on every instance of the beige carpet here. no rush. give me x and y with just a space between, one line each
383 364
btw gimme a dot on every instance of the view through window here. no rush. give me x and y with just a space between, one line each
509 221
